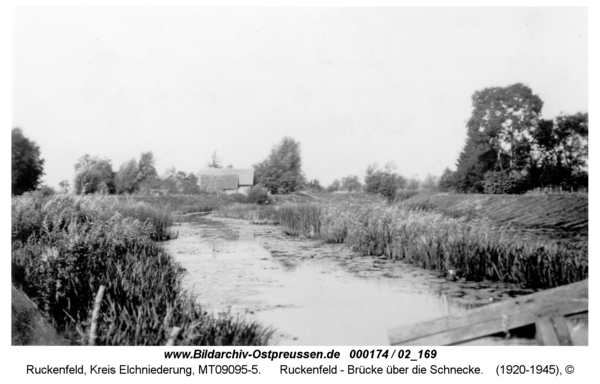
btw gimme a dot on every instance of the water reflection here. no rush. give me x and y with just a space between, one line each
314 294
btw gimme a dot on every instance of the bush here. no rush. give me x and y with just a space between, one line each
44 191
238 198
259 195
504 182
384 182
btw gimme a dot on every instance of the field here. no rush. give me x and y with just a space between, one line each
462 235
64 248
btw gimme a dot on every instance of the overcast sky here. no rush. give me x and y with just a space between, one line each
353 85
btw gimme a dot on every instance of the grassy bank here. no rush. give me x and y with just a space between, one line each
560 215
476 249
64 248
182 204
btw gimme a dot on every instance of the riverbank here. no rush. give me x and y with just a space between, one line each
67 249
311 292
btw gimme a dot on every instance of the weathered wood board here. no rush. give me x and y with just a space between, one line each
500 317
553 330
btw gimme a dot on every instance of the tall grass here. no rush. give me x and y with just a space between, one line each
431 240
298 219
64 248
476 249
183 204
250 212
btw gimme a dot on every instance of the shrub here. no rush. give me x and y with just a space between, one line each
238 198
504 182
384 182
251 212
259 195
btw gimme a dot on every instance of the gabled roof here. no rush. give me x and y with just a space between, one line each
158 181
245 175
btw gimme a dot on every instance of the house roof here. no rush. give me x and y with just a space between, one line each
158 181
245 175
218 182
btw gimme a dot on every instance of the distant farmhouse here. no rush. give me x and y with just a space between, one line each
228 180
163 185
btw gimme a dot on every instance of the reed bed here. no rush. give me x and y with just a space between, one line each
64 248
183 204
250 212
474 249
298 219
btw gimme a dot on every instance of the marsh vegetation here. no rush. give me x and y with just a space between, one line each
471 246
64 248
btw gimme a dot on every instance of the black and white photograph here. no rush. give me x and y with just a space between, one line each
299 177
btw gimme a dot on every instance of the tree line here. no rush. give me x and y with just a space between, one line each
511 149
279 173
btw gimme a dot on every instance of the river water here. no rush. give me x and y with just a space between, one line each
313 293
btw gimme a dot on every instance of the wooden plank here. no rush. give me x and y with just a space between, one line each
499 341
576 291
578 328
544 332
563 304
562 330
493 326
571 298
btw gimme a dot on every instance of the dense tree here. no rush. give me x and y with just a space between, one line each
510 149
351 184
504 181
500 134
281 171
188 183
147 177
146 169
473 162
562 151
27 166
93 174
446 182
314 185
180 182
126 179
413 184
430 183
334 186
384 181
